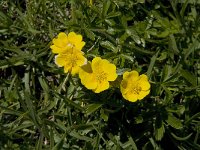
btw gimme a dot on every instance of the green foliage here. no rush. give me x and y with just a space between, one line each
41 107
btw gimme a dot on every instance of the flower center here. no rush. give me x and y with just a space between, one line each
70 45
73 60
101 76
136 89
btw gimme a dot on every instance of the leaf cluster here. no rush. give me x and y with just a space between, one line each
43 108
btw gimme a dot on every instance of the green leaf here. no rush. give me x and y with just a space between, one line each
123 38
104 115
151 65
25 125
106 6
7 110
14 61
47 108
159 132
172 44
43 84
89 34
163 34
167 71
173 121
131 143
181 138
40 142
194 46
169 97
110 22
81 137
31 109
192 79
162 57
189 120
92 108
108 45
113 14
133 34
60 143
128 57
51 138
139 119
184 8
140 1
153 143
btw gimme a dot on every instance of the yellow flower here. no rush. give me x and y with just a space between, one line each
134 87
65 42
96 75
71 60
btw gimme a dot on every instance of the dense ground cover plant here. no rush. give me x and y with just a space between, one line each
43 106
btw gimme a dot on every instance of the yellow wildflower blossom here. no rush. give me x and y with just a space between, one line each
96 75
134 87
65 42
71 60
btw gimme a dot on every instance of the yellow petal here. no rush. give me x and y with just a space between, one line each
60 42
133 75
101 87
86 76
123 87
77 39
57 42
87 79
67 68
56 49
62 35
60 60
110 70
71 35
145 85
80 45
131 97
96 64
143 77
90 82
80 59
75 70
142 94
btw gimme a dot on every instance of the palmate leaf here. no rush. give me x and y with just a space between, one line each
41 107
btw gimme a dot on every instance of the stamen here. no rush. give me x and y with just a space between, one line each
70 45
101 76
136 89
